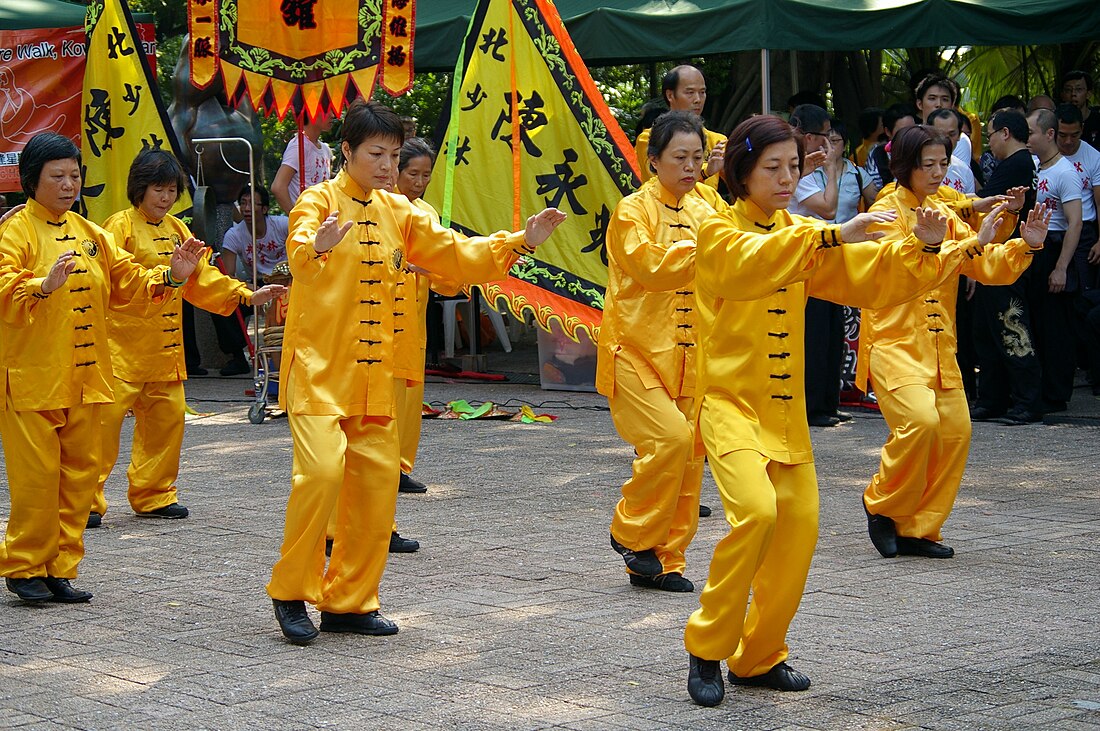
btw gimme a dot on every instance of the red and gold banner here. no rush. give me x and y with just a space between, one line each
305 57
41 77
398 23
202 41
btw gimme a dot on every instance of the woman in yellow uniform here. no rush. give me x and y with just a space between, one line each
59 274
646 358
147 352
908 353
349 240
755 265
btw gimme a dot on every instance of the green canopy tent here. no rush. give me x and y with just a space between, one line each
644 31
29 14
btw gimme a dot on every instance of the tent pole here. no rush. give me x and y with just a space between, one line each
765 82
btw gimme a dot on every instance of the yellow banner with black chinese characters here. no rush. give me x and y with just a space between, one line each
202 41
398 23
529 129
121 113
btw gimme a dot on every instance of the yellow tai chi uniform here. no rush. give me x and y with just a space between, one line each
641 149
908 354
55 366
339 386
147 358
753 275
646 365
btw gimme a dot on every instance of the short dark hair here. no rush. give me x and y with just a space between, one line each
869 120
936 80
1068 114
747 143
1009 101
809 118
1045 118
413 148
945 113
44 147
261 193
666 127
153 167
370 119
1014 121
671 79
897 112
650 111
1078 74
906 149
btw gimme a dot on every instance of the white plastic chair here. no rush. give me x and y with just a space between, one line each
451 337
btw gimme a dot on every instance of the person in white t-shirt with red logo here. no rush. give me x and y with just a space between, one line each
948 121
317 156
1059 188
1086 163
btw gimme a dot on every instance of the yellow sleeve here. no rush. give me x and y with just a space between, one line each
641 151
712 197
998 263
743 265
209 289
20 290
876 275
312 208
133 287
449 254
657 267
443 285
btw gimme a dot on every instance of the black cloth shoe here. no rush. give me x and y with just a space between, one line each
822 420
175 511
781 677
984 413
94 520
294 621
196 371
371 623
408 484
1054 407
403 545
236 367
1019 417
63 591
664 582
705 684
29 590
923 547
704 511
883 534
643 563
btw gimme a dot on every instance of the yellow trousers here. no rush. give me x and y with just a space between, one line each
409 420
159 409
52 460
660 504
772 512
923 460
348 465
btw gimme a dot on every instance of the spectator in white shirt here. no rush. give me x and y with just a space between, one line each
307 147
948 122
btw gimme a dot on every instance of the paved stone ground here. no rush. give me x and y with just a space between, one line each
516 614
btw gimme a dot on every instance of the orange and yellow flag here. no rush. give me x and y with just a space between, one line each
529 129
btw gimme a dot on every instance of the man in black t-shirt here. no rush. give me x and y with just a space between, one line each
1010 384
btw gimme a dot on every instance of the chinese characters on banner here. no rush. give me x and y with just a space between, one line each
528 129
120 113
302 56
41 75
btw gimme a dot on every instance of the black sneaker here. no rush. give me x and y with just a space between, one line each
371 623
94 520
294 621
236 367
923 547
665 582
705 684
984 413
32 589
403 545
64 592
643 563
175 511
883 533
408 484
1019 417
780 677
196 371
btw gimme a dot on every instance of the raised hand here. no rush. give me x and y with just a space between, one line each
856 228
185 258
330 233
985 205
541 225
59 272
931 226
1034 230
1016 197
268 292
714 161
991 222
